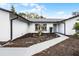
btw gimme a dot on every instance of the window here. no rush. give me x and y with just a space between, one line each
44 27
41 26
37 27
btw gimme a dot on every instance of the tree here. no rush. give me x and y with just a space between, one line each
22 14
31 15
41 17
75 13
13 9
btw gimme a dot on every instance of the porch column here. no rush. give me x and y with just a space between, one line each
64 27
58 27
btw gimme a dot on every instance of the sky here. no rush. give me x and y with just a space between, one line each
48 10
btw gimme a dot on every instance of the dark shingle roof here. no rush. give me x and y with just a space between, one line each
46 20
52 19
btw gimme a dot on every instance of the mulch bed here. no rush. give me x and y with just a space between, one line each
69 47
2 43
30 39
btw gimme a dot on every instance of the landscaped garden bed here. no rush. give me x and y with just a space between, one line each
30 39
69 47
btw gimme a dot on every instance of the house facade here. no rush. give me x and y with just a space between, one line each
64 26
13 26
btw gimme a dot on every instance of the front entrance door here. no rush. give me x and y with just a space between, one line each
51 29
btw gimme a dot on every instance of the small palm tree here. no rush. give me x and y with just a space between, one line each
40 30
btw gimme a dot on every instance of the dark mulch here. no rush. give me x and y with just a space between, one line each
69 47
30 39
2 43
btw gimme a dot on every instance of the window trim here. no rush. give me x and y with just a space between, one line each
44 27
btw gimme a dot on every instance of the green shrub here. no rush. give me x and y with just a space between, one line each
76 27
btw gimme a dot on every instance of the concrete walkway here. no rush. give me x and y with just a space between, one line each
32 49
42 46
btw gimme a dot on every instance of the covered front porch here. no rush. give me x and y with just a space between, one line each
59 27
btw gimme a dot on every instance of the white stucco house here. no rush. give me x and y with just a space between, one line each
13 26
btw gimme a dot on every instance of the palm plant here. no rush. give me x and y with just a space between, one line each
40 29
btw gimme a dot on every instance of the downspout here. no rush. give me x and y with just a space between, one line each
11 28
